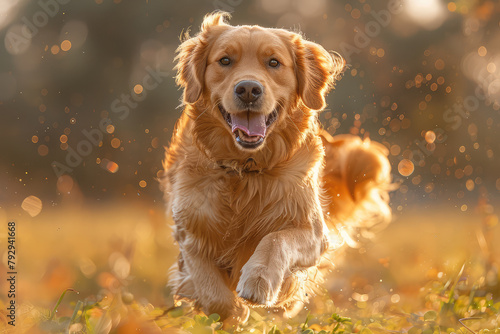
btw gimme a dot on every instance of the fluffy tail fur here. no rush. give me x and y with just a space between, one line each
357 181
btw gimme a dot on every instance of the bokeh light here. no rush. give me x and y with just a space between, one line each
32 205
429 14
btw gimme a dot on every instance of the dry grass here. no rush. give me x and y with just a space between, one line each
116 258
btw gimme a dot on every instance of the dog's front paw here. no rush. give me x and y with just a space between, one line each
258 285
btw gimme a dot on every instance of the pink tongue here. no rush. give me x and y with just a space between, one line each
253 124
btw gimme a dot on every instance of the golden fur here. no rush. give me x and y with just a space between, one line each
253 224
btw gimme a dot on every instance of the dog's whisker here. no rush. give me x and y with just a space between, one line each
201 113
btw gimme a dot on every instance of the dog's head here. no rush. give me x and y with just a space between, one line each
252 85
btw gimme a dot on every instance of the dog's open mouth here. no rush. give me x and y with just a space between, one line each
249 127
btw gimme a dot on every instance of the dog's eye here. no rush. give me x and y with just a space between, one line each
274 63
225 61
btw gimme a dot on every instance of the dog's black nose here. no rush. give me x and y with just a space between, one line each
248 91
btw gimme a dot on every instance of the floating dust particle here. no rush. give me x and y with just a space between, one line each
395 298
43 150
65 184
87 267
155 142
109 165
482 51
439 64
142 184
430 137
110 128
468 170
138 89
395 125
32 205
34 139
54 49
406 167
115 142
472 129
63 138
65 45
356 13
491 68
395 150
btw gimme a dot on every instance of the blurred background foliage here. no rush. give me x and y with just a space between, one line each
423 79
429 65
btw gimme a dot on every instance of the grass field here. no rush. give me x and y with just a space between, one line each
432 272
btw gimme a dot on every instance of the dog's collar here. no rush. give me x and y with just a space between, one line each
235 167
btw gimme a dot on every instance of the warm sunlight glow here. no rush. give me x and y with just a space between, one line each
6 7
429 14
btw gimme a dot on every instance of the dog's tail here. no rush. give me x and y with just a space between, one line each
356 181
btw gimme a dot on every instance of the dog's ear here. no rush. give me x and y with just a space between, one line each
192 57
316 71
190 69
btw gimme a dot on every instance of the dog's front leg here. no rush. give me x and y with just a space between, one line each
275 257
212 293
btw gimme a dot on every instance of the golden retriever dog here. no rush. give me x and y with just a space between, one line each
254 185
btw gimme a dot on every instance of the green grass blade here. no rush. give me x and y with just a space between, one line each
53 313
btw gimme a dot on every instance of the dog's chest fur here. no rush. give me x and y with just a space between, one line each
224 215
